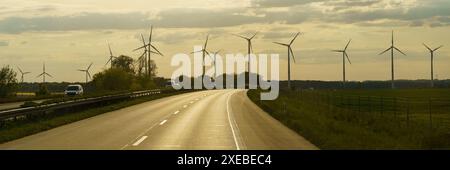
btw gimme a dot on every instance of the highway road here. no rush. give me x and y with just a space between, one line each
206 120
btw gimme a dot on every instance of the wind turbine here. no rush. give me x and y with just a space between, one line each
204 52
214 59
344 55
88 75
432 58
290 52
111 56
22 74
143 57
249 48
43 74
392 48
148 51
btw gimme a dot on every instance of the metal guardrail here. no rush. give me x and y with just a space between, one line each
14 113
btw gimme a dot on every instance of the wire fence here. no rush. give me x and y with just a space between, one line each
433 113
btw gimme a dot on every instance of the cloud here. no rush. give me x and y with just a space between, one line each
280 3
84 21
364 13
4 43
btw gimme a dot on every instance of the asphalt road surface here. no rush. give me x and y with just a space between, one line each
216 119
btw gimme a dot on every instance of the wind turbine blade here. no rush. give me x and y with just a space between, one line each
385 50
26 73
110 51
143 54
206 42
438 48
196 51
251 47
427 47
49 75
108 61
40 75
281 44
143 40
211 56
347 44
399 51
240 36
140 48
150 35
345 53
292 41
156 50
207 52
339 51
89 74
292 54
392 38
82 70
20 70
89 66
253 35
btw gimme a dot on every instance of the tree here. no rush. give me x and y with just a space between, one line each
113 79
141 71
8 81
43 90
124 62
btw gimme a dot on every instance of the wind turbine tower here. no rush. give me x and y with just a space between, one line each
249 47
432 62
88 75
22 74
43 74
344 55
392 48
290 53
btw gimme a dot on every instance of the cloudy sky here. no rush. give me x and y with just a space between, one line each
70 34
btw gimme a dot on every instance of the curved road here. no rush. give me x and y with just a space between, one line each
215 119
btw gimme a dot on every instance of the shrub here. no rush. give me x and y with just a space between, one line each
43 90
8 81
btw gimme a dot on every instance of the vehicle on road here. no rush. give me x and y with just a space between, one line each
74 90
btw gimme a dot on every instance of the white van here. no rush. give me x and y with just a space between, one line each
74 90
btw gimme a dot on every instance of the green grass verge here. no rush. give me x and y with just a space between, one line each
331 126
16 129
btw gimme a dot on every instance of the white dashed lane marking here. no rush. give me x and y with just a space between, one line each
139 141
164 121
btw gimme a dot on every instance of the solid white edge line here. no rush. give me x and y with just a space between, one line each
185 106
164 121
140 140
176 112
231 125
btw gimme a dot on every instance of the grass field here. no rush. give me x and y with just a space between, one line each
365 119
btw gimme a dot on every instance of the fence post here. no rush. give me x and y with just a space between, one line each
407 112
381 106
329 103
349 103
395 107
430 111
359 104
